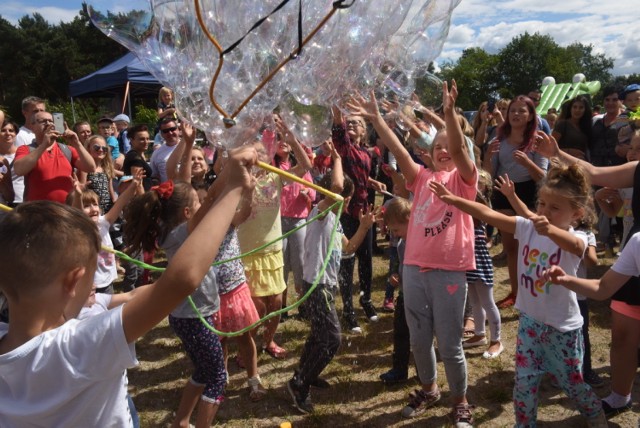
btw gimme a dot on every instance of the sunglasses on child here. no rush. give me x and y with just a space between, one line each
167 130
99 148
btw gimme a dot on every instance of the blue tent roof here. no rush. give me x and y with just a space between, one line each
111 80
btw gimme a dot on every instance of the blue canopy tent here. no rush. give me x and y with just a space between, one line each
122 79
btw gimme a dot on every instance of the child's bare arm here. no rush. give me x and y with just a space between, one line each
591 257
475 209
193 259
598 289
367 218
122 298
562 238
508 189
125 197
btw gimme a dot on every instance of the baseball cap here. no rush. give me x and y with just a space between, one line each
121 118
630 88
105 119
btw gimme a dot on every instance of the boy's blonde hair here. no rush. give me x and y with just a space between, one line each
397 210
39 241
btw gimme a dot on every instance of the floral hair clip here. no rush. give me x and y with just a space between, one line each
164 190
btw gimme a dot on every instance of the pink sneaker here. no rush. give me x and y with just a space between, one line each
388 305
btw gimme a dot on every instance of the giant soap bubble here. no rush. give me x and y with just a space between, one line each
359 45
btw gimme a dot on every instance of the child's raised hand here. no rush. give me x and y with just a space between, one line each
367 216
541 224
555 274
545 145
449 96
505 186
441 192
359 106
138 175
188 132
239 165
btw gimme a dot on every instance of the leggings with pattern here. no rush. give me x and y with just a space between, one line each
204 349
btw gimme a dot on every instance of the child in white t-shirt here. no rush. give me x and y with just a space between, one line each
89 202
53 368
549 332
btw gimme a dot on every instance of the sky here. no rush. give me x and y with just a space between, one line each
612 26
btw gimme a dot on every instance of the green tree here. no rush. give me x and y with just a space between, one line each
475 71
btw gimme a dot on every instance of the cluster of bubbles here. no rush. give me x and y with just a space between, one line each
373 44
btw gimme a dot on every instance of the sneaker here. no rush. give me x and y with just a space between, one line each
419 402
301 397
394 376
369 310
593 379
388 305
462 416
320 383
610 411
352 324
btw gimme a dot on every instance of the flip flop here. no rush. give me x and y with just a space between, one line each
276 352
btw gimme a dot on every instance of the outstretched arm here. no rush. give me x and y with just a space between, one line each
193 259
617 177
125 197
369 110
598 289
475 209
508 189
459 153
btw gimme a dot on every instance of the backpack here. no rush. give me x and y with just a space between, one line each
63 147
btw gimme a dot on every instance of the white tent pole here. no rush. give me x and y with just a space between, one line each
73 110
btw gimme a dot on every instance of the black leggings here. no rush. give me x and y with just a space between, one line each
365 266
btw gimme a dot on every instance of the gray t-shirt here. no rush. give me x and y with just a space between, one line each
206 296
316 244
504 163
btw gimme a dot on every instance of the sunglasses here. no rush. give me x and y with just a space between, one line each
98 148
167 130
355 123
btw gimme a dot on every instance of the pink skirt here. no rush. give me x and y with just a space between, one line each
237 310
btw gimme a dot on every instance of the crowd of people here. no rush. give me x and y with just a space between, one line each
447 184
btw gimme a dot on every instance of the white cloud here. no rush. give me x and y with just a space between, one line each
13 11
492 25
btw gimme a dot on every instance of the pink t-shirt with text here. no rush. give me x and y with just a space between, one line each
440 236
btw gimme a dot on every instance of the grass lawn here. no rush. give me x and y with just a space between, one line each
357 397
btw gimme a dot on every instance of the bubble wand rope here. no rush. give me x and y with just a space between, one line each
294 305
302 181
229 118
339 203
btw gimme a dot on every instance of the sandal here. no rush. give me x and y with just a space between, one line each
275 351
256 390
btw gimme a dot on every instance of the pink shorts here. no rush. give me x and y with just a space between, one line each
237 310
630 311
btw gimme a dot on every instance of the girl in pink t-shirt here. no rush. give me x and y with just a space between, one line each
440 249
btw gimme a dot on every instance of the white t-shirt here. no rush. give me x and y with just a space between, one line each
316 245
101 305
24 137
158 161
106 271
629 261
545 302
582 269
71 376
